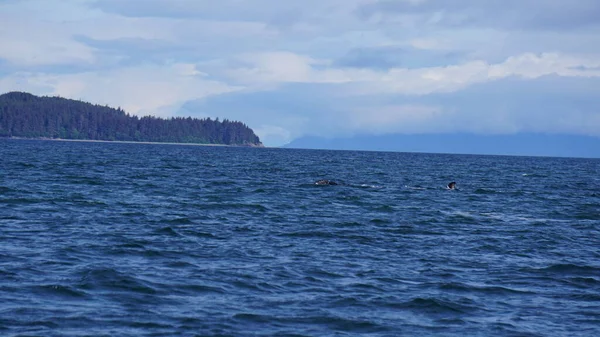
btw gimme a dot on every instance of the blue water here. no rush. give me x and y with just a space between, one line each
109 239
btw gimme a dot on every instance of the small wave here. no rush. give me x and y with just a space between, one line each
339 183
201 289
22 201
180 221
167 231
513 218
246 285
25 165
318 272
584 281
4 189
65 292
460 216
349 224
418 188
141 177
310 234
534 175
172 167
590 212
413 230
133 245
242 229
463 287
595 298
380 221
87 181
109 278
336 323
222 183
150 326
218 205
436 306
85 202
31 324
254 318
485 191
571 269
353 325
343 301
202 235
365 287
385 209
133 214
392 280
256 207
370 186
10 217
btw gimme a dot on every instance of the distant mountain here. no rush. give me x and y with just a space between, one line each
29 116
525 144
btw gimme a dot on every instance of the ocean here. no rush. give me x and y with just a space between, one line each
118 239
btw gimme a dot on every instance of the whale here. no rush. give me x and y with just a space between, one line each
452 185
325 182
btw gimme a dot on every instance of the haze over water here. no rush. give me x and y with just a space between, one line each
117 239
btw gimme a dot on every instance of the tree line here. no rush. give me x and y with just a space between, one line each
25 115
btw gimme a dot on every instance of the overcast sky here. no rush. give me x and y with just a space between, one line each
317 67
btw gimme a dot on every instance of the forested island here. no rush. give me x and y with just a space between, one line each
28 116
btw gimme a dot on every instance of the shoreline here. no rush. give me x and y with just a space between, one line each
129 142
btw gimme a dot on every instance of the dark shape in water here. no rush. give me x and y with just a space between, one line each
325 182
452 185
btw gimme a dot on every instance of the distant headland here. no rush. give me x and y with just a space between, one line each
23 115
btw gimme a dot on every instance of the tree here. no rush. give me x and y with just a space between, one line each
25 115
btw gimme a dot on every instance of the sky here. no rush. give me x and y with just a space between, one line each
328 68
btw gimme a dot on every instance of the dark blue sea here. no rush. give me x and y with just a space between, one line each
114 239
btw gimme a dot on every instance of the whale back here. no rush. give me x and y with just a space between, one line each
325 182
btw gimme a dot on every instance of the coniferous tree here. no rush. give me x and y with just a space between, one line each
25 115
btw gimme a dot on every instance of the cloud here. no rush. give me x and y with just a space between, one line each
273 67
387 57
504 14
289 68
142 90
489 30
34 42
548 104
275 13
406 118
78 35
273 134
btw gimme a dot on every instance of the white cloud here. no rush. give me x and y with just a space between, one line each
289 67
30 43
142 90
502 14
408 118
273 134
48 33
278 67
533 66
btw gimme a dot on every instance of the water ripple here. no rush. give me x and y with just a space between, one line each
135 239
